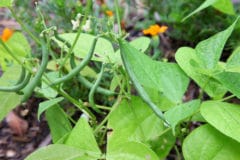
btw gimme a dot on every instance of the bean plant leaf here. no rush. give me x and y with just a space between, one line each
58 122
82 137
141 44
231 80
19 45
43 106
102 52
225 117
86 71
45 90
233 62
132 151
6 3
207 143
9 101
188 60
209 51
225 6
56 152
158 76
204 5
131 121
179 113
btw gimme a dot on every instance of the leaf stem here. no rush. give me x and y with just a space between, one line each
24 27
118 17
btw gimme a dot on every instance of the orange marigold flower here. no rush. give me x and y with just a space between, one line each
154 30
6 34
109 13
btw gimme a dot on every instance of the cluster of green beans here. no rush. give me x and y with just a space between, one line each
85 61
25 82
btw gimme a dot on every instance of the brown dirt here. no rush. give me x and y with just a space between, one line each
15 145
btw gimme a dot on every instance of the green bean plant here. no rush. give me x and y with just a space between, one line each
146 116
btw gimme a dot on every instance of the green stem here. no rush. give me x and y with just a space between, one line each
70 51
14 56
24 27
99 89
118 17
227 98
107 117
78 104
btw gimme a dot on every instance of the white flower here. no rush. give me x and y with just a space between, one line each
75 24
87 26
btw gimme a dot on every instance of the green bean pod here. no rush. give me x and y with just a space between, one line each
28 90
126 48
88 84
18 86
79 67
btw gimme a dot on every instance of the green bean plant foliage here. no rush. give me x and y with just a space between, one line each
105 98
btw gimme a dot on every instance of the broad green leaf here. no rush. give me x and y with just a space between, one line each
58 122
9 101
10 76
82 137
206 143
102 52
132 151
43 106
233 62
231 80
141 44
162 144
56 152
6 3
133 120
204 5
166 78
86 71
187 59
45 90
159 99
223 116
18 45
209 51
225 6
179 113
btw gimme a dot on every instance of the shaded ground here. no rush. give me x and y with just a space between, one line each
18 141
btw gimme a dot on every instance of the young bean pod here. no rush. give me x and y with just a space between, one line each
93 89
37 78
78 68
87 83
125 48
18 86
